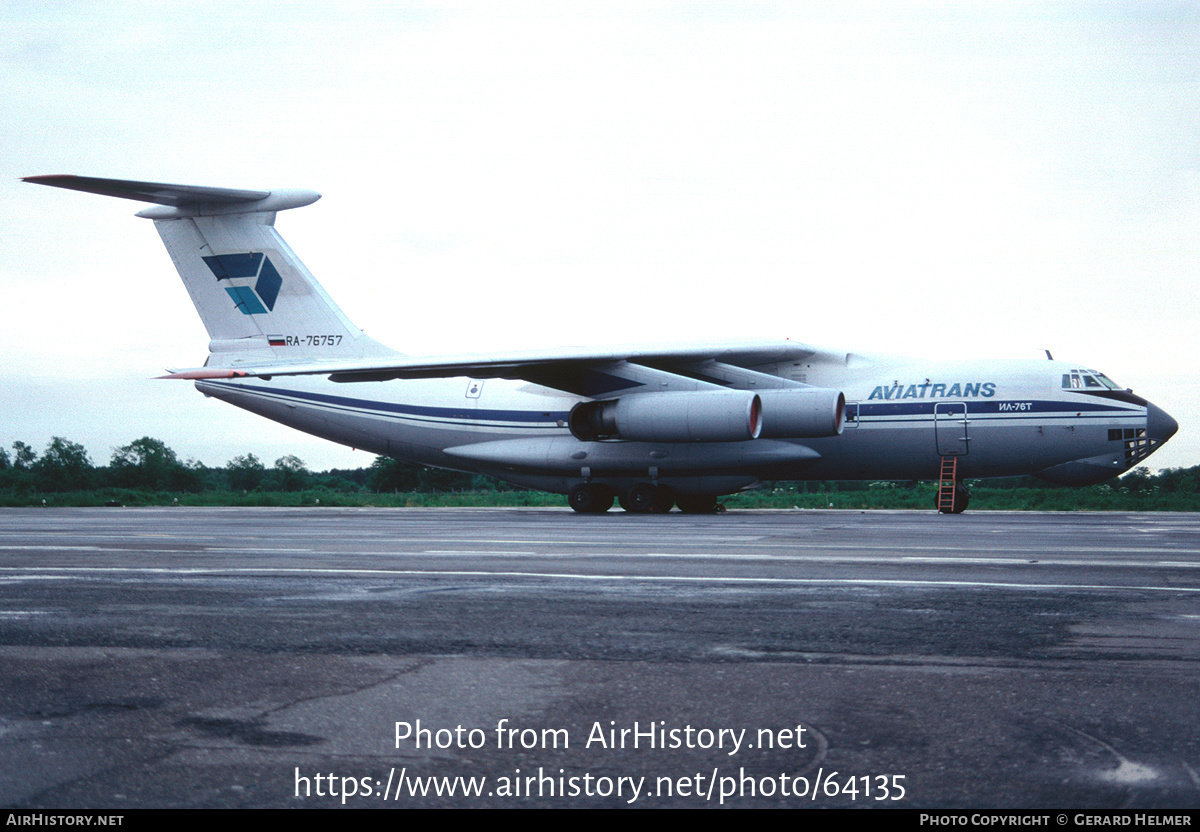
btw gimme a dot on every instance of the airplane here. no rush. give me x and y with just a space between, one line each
651 427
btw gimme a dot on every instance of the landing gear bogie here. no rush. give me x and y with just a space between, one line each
639 498
698 503
590 498
647 498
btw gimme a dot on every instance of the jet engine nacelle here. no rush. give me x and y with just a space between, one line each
802 413
705 416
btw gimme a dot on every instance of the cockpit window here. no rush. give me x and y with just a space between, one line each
1088 380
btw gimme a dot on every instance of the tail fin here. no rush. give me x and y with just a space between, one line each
257 300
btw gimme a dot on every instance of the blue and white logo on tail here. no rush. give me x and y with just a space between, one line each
251 266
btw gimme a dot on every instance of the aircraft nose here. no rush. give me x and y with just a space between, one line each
1159 424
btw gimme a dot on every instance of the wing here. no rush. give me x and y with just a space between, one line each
594 373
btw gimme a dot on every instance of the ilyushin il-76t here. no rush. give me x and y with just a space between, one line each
651 427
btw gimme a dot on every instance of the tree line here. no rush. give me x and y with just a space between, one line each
148 464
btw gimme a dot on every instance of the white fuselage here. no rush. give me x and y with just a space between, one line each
999 418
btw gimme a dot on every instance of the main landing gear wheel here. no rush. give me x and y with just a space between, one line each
962 497
697 503
645 498
590 498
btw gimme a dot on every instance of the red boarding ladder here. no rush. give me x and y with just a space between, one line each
946 484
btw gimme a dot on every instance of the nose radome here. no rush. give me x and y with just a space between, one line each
1159 424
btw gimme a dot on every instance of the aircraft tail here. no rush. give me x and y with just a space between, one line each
257 300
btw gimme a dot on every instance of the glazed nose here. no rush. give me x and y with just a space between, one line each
1159 425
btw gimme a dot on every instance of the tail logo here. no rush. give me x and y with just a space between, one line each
252 266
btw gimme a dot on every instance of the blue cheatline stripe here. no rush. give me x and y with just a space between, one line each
463 413
976 408
466 414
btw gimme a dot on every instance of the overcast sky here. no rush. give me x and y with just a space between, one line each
960 179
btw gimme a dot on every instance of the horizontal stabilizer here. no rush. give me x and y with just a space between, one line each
157 192
204 373
180 201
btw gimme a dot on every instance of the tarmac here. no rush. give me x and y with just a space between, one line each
370 658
